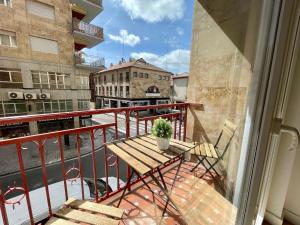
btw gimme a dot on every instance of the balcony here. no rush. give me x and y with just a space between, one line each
85 34
94 63
72 171
90 8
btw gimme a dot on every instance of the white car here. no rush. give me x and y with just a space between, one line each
19 214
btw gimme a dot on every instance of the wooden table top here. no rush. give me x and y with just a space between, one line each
143 155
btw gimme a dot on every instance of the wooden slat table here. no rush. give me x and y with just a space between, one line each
145 158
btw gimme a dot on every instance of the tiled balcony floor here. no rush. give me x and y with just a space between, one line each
197 199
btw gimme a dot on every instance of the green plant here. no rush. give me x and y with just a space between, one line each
162 128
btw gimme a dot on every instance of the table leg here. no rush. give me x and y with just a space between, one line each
126 187
178 169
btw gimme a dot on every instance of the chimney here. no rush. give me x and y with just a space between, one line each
111 64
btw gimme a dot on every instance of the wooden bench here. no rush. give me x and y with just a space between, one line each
81 211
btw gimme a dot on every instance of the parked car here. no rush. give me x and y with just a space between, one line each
19 214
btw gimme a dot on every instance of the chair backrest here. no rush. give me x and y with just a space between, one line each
226 134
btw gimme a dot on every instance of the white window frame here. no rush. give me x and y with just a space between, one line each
3 103
10 41
10 76
81 102
7 3
51 102
84 82
42 73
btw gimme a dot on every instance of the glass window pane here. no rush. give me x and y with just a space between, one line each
9 108
62 105
21 108
47 106
13 41
39 107
16 76
55 107
35 77
67 81
69 105
5 40
4 76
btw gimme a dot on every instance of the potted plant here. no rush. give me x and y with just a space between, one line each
162 130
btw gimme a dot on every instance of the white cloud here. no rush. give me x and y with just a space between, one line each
173 42
128 39
176 61
146 38
180 31
154 10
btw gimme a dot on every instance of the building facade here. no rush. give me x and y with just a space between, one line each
133 83
42 67
179 84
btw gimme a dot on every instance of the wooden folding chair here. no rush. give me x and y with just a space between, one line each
207 151
86 212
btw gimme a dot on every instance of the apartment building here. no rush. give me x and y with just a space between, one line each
132 83
42 66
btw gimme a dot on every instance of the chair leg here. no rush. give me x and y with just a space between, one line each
200 161
212 167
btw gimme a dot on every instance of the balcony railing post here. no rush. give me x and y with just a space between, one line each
63 171
2 208
137 123
180 123
127 115
185 123
80 164
106 163
44 175
117 160
24 180
94 163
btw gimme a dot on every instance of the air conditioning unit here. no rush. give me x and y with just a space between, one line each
44 96
15 95
30 96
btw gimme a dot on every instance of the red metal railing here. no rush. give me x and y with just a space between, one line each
133 120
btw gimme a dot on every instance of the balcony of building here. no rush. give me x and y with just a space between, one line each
87 10
64 167
86 61
86 35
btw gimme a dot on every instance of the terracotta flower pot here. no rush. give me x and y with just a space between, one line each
163 143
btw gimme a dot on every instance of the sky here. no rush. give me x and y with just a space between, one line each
157 30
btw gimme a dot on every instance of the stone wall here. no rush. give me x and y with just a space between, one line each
223 47
138 86
25 24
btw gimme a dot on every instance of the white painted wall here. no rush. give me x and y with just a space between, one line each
292 202
285 187
180 88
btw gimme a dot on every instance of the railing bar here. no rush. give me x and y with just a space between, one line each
118 172
54 134
80 164
185 123
61 115
63 171
117 138
94 164
127 114
106 163
137 123
146 126
3 209
175 126
180 123
44 175
116 126
24 180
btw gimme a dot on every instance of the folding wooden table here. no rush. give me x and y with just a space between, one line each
143 156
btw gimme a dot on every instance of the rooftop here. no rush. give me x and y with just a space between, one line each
138 63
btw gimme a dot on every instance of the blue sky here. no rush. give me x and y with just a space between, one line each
157 30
